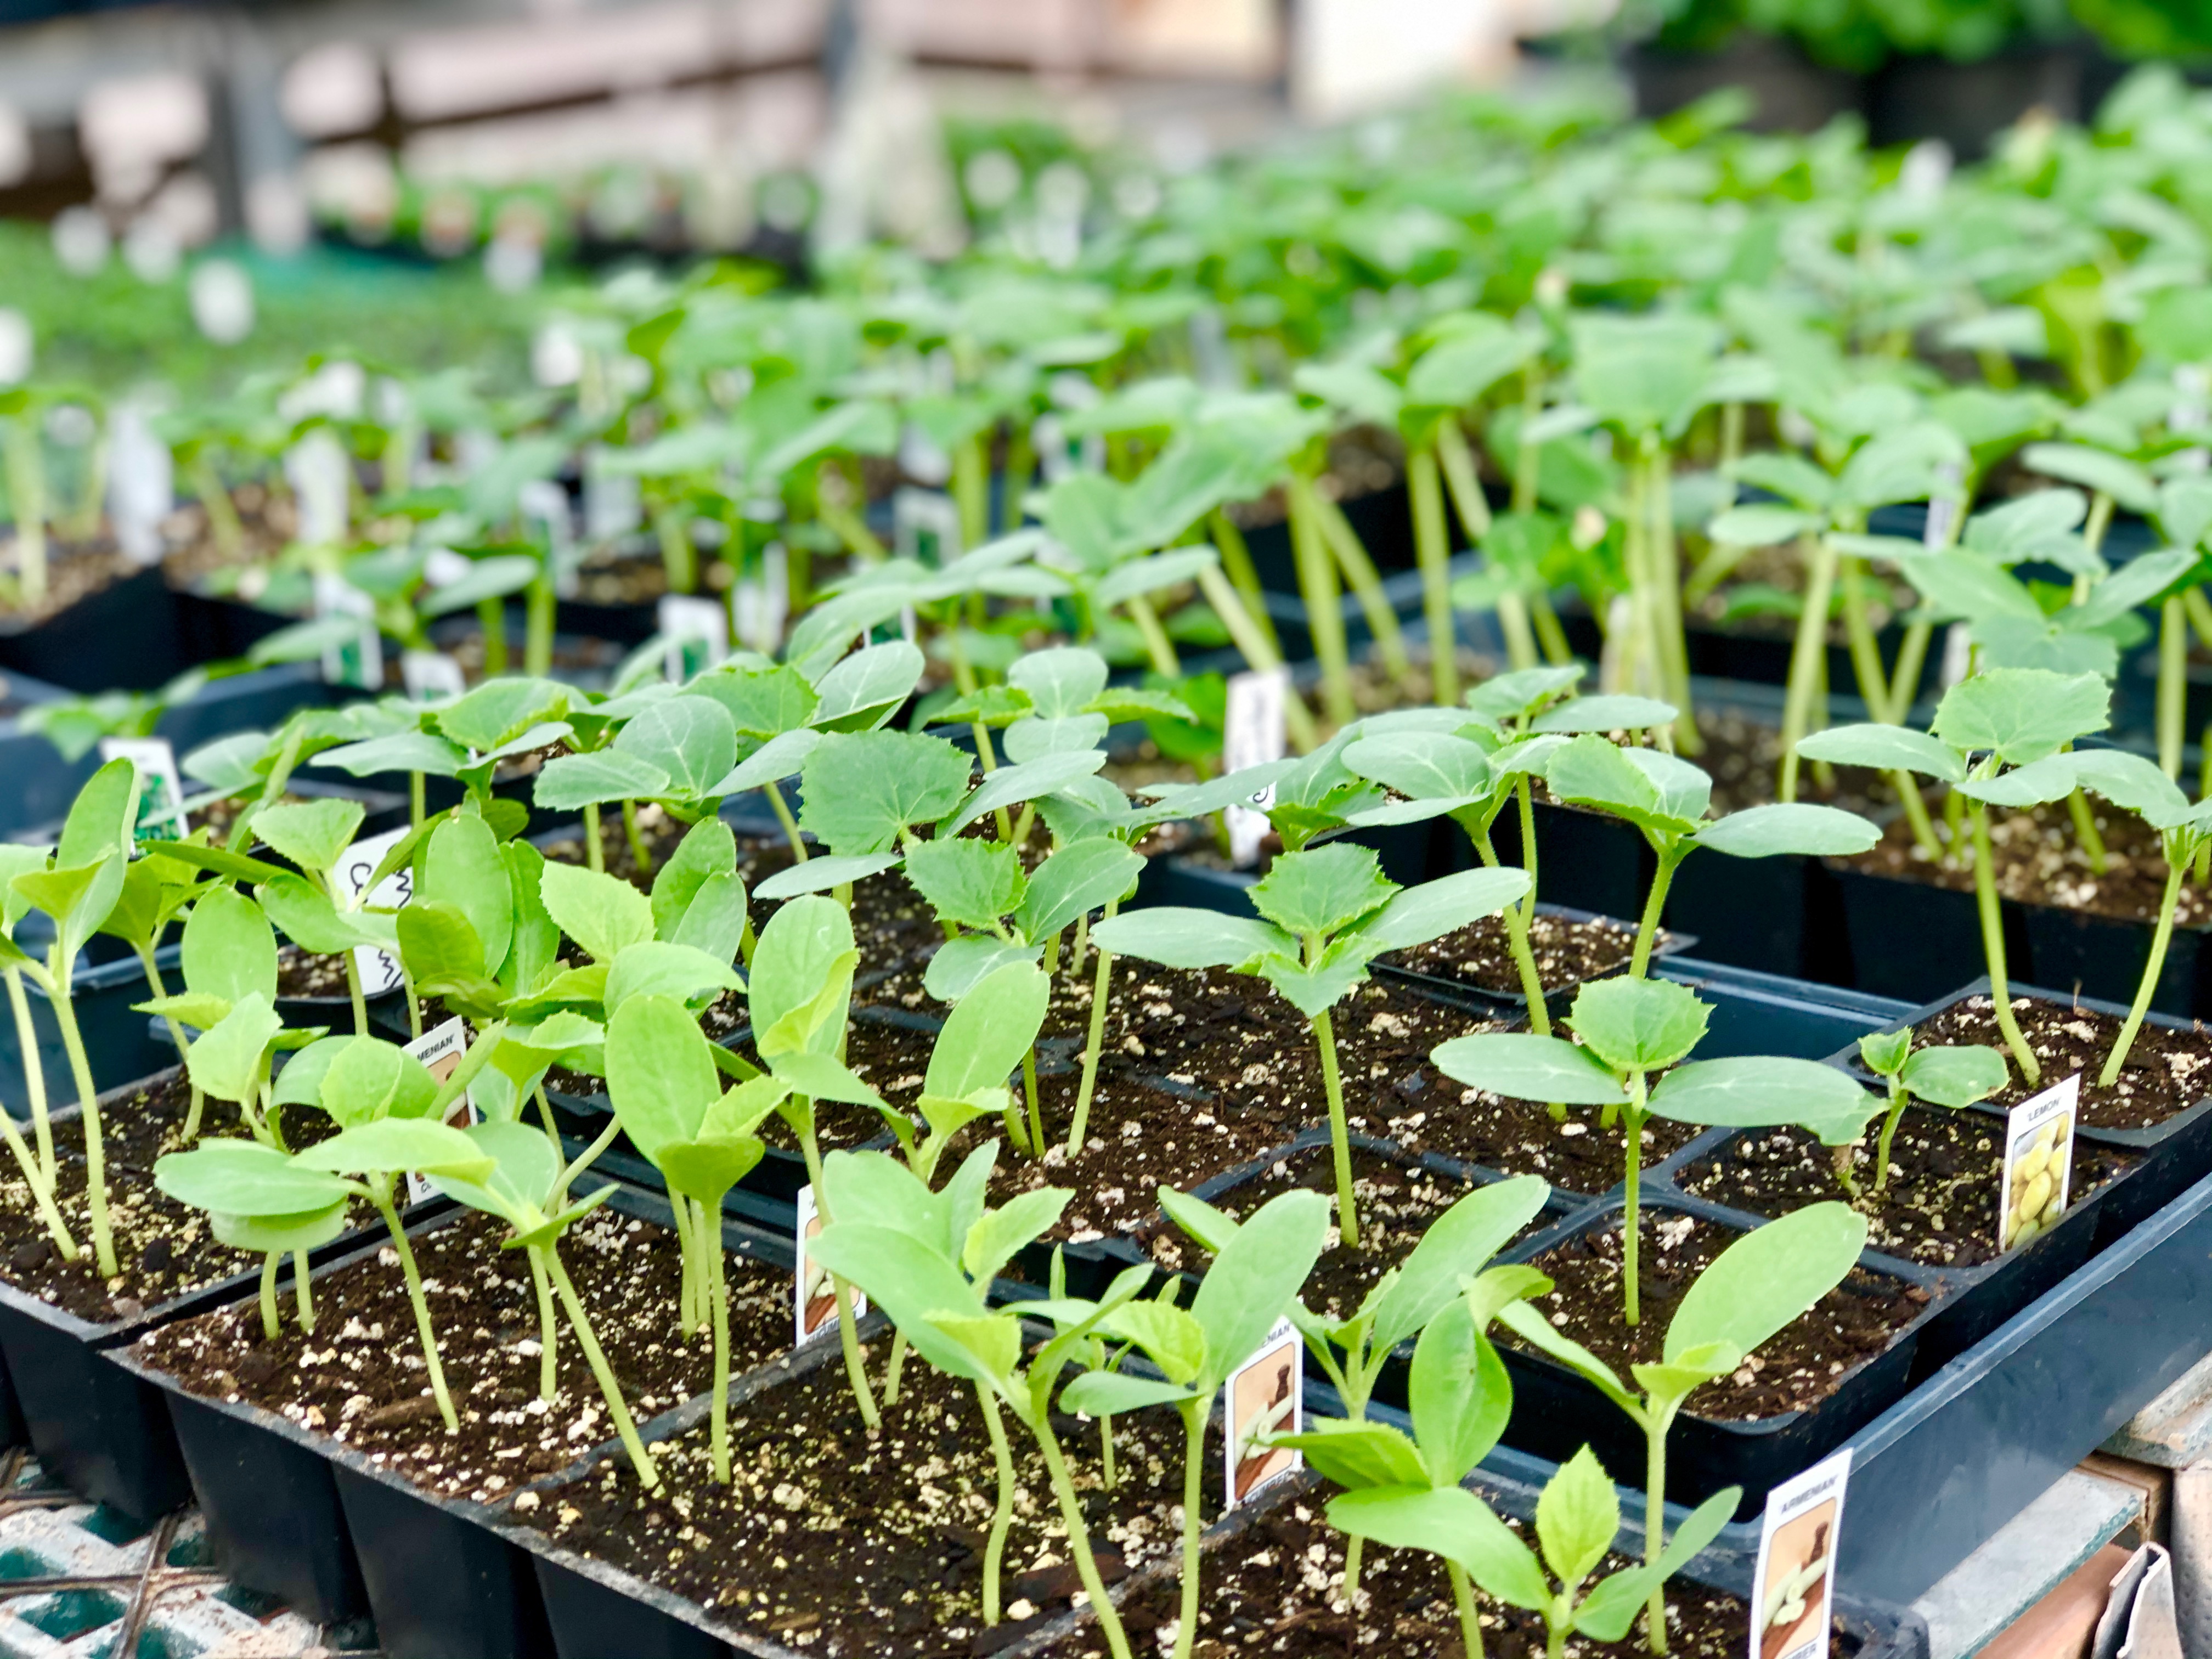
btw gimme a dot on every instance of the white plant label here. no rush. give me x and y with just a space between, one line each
359 659
2191 412
926 525
431 674
763 604
1958 653
813 1297
1265 1395
1254 735
442 566
440 1052
320 473
695 632
1795 1577
543 500
1943 505
161 785
140 484
2038 1163
379 972
613 503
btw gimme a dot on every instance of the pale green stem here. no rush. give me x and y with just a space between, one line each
1158 646
1344 545
595 848
1992 919
1101 986
856 1372
1340 1133
1654 905
1079 1536
2172 684
423 1329
637 847
303 1293
95 1154
1432 552
42 1191
1655 1522
355 992
1470 1625
774 791
270 1263
648 1477
1194 1412
1807 657
1631 1193
1324 616
2085 830
1030 1091
34 1075
1259 650
1002 1517
548 1366
2147 986
718 1288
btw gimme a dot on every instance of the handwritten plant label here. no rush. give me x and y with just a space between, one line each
1265 1395
2038 1163
814 1297
379 972
440 1052
1795 1577
161 785
1253 734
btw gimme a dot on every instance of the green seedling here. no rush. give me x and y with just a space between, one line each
2007 717
1758 1284
1940 1076
39 1166
527 1187
927 1260
1667 799
258 1200
1255 1275
467 739
1327 914
1628 1029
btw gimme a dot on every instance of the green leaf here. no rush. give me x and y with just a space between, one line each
708 850
966 880
1424 765
915 1287
2129 486
1761 526
1458 1394
100 818
1605 713
401 751
228 949
1024 780
2022 714
390 1144
438 945
1643 373
370 1078
1358 1456
762 703
1322 889
604 914
989 1031
1577 1515
500 710
1885 1051
1808 831
865 689
1953 1076
1467 363
1255 1276
1638 1025
303 913
2049 779
961 963
313 834
1434 908
1527 1323
660 968
1521 1066
820 874
691 739
1451 1251
802 973
461 865
1451 1522
1080 877
1767 1278
1750 1091
1958 584
227 1060
1002 1233
1176 937
861 791
276 1235
1099 1393
569 782
1588 771
1610 1608
1888 748
245 1177
77 897
660 1075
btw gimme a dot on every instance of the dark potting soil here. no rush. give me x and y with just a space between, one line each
1482 955
303 974
1940 1207
2040 860
361 1378
1277 1588
2167 1070
1800 1366
845 1542
1397 1202
163 1248
74 572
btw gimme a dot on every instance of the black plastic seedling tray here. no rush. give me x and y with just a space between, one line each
292 1514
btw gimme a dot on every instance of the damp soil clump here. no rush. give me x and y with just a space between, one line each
1798 1367
1940 1208
848 1542
361 1379
1276 1588
2167 1070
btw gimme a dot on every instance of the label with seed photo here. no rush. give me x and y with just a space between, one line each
1791 1585
695 632
380 973
2038 1163
813 1300
1253 734
1264 1395
428 674
440 1051
161 785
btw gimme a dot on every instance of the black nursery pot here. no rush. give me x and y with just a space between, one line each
295 1515
1555 1411
124 638
1914 940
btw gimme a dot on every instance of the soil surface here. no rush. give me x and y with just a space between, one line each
1567 952
163 1248
2167 1070
304 973
361 1378
1277 1588
1802 1365
1941 1206
1397 1202
845 1542
2040 860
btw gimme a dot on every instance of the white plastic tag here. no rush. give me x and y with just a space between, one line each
428 674
161 785
1795 1577
763 604
360 661
926 525
440 1052
695 632
2038 1163
320 473
813 1300
140 484
380 973
1254 735
1264 1395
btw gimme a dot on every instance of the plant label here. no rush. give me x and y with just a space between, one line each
1943 505
379 972
1792 1583
2191 412
141 483
926 525
1958 653
613 505
440 1052
543 501
695 633
431 674
358 658
1264 1395
763 603
2038 1163
1253 734
813 1297
161 785
320 473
